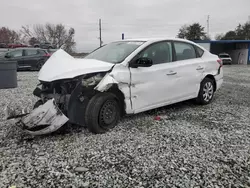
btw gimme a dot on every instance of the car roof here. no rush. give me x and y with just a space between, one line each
27 48
156 39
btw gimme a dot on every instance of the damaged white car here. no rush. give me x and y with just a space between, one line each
124 77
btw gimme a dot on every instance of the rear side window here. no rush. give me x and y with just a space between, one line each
31 52
199 51
42 52
184 51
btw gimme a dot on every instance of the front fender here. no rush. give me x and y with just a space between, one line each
78 102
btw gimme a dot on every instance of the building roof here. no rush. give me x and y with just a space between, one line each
221 41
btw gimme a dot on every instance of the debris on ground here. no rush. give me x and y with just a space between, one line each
194 146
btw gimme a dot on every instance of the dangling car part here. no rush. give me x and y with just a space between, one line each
45 119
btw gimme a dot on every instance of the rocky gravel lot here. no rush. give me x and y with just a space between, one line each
191 146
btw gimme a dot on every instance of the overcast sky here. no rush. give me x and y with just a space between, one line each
135 18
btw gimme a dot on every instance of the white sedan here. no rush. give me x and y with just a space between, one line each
125 77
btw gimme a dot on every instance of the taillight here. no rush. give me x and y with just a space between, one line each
47 55
220 62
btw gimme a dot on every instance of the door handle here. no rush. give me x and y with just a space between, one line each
171 73
200 68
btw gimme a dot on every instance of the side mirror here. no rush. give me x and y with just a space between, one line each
142 62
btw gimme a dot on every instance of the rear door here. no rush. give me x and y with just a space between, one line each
189 67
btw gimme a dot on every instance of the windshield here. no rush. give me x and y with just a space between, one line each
115 52
224 56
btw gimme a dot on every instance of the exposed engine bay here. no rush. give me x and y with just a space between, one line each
70 95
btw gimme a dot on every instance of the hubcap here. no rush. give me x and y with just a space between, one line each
107 114
208 91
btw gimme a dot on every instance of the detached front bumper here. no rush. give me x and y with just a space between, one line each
45 119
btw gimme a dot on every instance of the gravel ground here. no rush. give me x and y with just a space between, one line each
192 146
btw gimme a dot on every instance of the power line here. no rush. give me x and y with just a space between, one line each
208 17
100 32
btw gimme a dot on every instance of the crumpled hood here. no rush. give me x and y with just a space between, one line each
63 66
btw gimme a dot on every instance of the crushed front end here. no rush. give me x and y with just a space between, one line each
70 95
60 101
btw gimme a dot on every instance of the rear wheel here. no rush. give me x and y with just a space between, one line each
39 65
102 113
206 92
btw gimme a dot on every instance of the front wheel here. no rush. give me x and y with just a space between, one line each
206 92
102 113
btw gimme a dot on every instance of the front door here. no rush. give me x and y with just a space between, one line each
16 55
152 87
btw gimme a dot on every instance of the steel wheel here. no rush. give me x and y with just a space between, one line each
102 113
108 114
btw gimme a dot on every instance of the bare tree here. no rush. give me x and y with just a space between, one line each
56 34
8 36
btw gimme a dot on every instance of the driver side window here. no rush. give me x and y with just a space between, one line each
159 52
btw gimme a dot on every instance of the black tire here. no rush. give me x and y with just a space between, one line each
39 65
37 104
206 92
36 46
102 113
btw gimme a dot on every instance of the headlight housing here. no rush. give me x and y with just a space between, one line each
92 81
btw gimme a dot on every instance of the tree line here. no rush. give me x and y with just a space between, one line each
56 34
61 37
196 31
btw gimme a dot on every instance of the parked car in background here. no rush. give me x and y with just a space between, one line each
17 45
226 59
27 58
44 45
51 51
124 77
3 45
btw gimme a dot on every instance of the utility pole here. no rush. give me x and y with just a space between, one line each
100 32
208 17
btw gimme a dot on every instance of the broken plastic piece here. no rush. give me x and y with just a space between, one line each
45 119
11 113
157 118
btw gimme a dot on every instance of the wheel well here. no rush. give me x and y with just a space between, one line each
212 78
120 96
